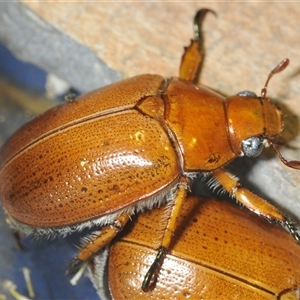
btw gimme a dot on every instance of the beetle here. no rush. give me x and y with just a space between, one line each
131 146
219 251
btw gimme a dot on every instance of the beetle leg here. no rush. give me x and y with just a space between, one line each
193 55
253 202
97 241
151 276
18 240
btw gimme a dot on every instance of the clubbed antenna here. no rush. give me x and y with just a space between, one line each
280 67
295 164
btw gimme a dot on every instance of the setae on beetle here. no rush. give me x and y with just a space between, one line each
131 146
219 251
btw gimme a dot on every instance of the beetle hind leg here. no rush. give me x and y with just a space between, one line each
253 202
95 242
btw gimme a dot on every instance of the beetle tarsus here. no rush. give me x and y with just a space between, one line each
293 230
151 276
74 266
18 240
198 21
193 56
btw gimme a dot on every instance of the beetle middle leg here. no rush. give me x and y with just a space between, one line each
253 202
151 276
95 242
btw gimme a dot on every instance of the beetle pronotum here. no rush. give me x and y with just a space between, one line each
131 146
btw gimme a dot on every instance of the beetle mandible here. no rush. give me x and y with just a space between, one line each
130 146
219 251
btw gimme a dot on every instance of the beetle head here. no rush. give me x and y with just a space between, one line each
254 122
251 122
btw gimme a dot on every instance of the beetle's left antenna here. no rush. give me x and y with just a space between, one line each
294 164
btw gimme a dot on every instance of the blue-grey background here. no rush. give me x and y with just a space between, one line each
47 260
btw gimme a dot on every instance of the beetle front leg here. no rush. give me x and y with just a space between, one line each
96 241
151 276
253 202
193 55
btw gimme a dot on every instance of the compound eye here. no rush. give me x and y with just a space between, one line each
247 94
252 146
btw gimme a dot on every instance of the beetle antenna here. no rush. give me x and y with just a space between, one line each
295 164
280 67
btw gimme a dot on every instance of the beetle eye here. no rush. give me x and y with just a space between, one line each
252 146
247 94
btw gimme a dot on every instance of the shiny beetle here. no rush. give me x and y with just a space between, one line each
132 146
219 251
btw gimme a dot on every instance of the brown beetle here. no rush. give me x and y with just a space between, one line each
129 147
219 251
